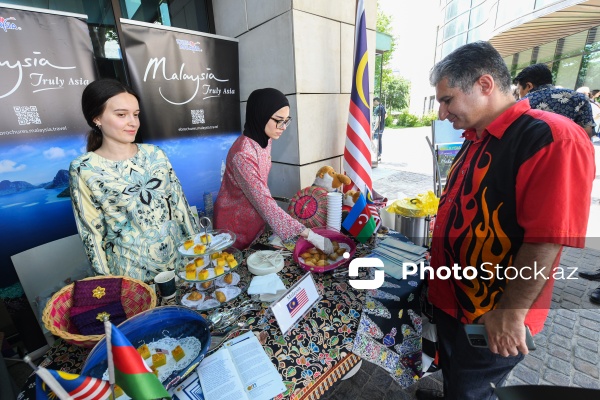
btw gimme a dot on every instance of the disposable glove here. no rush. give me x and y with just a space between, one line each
321 242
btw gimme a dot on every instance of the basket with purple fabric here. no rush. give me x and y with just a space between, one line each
135 297
303 247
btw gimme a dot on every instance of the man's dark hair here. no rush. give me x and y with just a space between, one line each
536 74
468 63
377 98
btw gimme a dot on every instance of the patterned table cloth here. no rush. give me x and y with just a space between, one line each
326 343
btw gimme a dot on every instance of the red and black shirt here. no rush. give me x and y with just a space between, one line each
527 179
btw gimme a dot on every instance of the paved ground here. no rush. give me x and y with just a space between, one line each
567 349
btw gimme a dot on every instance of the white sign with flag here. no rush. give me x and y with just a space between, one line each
295 303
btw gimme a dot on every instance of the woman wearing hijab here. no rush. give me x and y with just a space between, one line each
245 204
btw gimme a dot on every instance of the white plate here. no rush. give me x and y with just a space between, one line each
259 264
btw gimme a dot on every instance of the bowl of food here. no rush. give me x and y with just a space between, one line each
172 340
312 259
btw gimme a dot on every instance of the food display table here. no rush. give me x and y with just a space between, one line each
319 350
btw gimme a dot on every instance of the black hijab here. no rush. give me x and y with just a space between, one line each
261 105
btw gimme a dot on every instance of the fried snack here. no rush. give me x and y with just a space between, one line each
322 263
206 285
313 250
309 263
144 351
204 274
178 353
205 239
195 296
219 270
341 251
158 360
220 296
187 244
199 249
199 262
333 256
306 255
228 279
335 245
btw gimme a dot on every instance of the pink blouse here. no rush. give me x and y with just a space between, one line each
244 203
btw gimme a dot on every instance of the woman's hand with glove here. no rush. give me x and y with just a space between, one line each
321 242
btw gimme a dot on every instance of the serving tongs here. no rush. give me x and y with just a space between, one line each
272 257
205 223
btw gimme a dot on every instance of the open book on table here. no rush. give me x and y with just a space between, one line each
240 370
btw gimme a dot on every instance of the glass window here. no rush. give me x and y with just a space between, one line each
510 10
568 69
573 45
546 52
592 71
457 25
457 7
524 58
453 43
543 3
190 14
478 15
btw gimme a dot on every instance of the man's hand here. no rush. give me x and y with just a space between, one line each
506 331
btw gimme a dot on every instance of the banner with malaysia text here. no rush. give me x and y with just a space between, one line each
357 154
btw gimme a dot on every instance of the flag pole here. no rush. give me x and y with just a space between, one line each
109 356
52 383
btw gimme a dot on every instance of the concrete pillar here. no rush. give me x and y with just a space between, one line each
305 49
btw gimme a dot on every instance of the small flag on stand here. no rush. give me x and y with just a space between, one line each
357 153
75 387
359 221
130 371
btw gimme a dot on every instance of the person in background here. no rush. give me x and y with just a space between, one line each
244 203
129 207
535 84
518 190
379 113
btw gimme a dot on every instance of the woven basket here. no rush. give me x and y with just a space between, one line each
136 297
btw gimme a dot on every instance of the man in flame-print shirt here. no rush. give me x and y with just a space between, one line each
518 190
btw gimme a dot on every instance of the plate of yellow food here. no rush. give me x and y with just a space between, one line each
206 243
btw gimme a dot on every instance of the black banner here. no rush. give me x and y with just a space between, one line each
45 63
188 81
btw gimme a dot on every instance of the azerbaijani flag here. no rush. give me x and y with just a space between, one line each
78 387
359 221
131 372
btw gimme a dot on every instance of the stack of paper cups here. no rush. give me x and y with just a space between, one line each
334 211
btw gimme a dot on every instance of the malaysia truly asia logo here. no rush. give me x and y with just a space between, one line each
189 45
6 24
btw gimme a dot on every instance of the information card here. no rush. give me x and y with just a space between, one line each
295 303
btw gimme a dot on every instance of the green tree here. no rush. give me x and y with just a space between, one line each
395 90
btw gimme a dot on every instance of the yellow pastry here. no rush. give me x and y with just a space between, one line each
199 249
220 296
232 263
190 274
228 279
144 351
187 244
226 255
220 262
155 369
190 267
202 275
195 296
199 262
219 270
158 360
178 353
214 256
205 239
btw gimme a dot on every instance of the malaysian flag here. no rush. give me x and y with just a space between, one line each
297 302
357 154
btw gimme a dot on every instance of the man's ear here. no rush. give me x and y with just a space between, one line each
487 84
528 87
